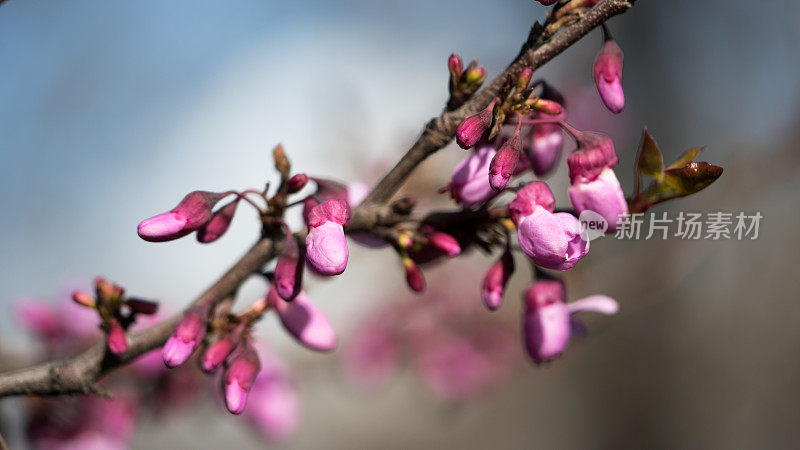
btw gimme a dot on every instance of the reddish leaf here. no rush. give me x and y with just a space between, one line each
692 178
687 157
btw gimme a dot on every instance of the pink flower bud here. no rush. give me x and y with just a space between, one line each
117 341
194 211
505 161
289 269
414 276
595 152
83 299
219 351
472 128
468 186
219 223
443 241
603 195
304 321
326 246
544 148
239 378
495 280
545 322
187 335
533 194
608 76
455 65
297 182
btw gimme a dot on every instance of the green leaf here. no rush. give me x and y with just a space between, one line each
692 178
687 157
650 161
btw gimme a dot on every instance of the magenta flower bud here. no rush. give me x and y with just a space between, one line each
554 241
505 161
545 323
194 211
495 280
297 182
533 194
544 148
219 351
239 378
326 246
595 152
289 269
603 195
304 321
469 132
455 65
414 276
607 72
117 341
187 335
443 241
468 186
219 223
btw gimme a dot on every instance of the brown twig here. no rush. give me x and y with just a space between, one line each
79 374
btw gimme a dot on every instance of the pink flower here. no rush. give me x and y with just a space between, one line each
468 186
304 321
554 241
219 351
414 276
274 405
544 149
494 282
607 72
194 211
297 182
289 269
469 132
326 246
505 161
39 318
239 378
594 185
188 334
443 241
603 195
454 369
371 356
547 321
219 223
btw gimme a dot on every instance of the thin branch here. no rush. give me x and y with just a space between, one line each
79 374
537 51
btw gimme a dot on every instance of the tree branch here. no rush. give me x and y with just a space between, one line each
537 51
79 374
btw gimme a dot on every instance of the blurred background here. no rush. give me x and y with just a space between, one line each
111 111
